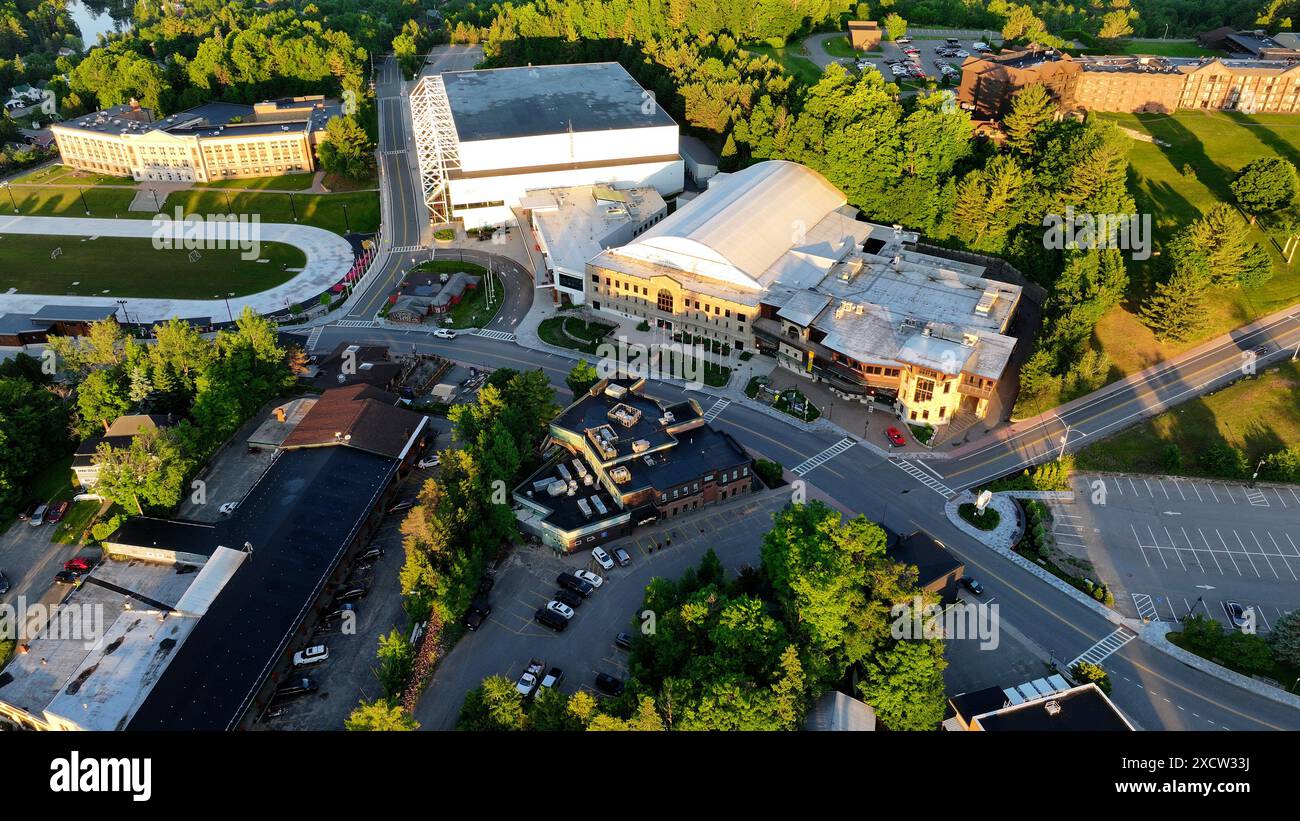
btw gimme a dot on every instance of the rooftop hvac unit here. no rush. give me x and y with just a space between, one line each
584 507
1053 707
640 446
615 391
599 505
620 475
564 471
556 488
578 467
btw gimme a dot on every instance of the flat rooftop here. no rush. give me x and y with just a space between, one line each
529 101
577 223
299 518
1081 708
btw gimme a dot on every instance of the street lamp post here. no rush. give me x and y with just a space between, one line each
1255 475
293 206
1065 437
83 200
125 316
347 226
10 189
227 297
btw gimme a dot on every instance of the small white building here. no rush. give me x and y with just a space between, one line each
572 225
701 162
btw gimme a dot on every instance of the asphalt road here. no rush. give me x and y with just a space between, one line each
1156 691
1207 368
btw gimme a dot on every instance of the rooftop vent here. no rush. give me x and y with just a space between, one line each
1053 707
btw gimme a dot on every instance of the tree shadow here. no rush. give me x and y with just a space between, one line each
1266 135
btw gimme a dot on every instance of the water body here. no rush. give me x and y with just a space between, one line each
96 17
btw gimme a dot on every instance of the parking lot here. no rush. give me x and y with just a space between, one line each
1171 547
526 581
927 54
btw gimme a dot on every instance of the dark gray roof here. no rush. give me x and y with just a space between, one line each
527 101
18 323
166 534
932 559
73 313
299 518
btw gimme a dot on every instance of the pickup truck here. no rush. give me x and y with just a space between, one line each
531 677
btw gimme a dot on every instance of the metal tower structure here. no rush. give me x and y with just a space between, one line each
435 145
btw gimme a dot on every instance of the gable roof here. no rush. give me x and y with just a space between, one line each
358 416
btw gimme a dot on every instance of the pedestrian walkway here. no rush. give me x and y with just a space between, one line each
1106 647
813 462
718 407
501 336
923 475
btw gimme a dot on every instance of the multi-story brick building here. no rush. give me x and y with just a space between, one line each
211 142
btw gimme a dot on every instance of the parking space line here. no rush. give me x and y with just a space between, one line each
1197 492
1294 495
1139 544
1118 487
1267 558
1212 493
1177 552
1172 611
1148 485
1279 497
1207 547
1156 544
1144 605
1212 556
1243 550
1279 553
1229 492
1131 485
1178 486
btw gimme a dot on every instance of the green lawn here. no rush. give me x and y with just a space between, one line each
590 334
839 47
797 65
76 522
284 182
61 175
130 267
1258 415
1215 145
53 482
1160 49
63 201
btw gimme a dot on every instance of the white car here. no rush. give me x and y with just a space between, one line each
961 52
602 558
527 683
560 609
981 46
444 333
228 508
430 462
312 655
589 577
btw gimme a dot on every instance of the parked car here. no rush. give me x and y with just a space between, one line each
297 687
351 594
444 333
609 685
67 577
27 512
902 41
551 620
973 585
38 516
589 577
553 678
405 504
623 558
80 564
568 597
895 436
1236 614
479 610
4 584
532 675
571 582
57 512
228 508
429 462
623 640
371 554
602 558
311 655
485 584
560 608
340 611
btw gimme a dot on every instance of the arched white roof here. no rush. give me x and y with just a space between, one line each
742 225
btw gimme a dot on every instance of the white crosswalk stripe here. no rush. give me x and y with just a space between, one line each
1256 497
812 463
503 336
314 337
356 323
718 407
1104 648
407 249
394 151
1145 606
925 478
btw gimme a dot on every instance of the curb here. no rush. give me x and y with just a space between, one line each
1157 633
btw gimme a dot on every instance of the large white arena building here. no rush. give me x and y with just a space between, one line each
484 138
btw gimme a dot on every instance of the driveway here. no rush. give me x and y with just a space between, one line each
29 560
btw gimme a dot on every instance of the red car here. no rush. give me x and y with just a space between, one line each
57 512
78 565
895 437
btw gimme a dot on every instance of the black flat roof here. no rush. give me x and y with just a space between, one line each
932 559
1085 709
528 101
299 517
699 451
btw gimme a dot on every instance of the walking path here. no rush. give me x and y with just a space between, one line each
329 257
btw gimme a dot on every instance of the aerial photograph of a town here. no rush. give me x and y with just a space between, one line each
900 367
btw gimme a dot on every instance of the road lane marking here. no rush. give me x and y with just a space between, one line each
1105 647
813 462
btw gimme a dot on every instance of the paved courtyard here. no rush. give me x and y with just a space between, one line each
1171 547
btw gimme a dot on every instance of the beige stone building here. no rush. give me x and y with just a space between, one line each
772 259
212 142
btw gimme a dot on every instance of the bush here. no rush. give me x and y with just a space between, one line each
643 326
988 520
1085 672
445 234
106 527
1221 459
1172 457
770 472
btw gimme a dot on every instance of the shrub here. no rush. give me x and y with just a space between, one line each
988 520
1172 457
643 326
770 472
106 527
1086 671
445 234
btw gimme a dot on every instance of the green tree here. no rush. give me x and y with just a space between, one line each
380 716
903 683
347 149
493 706
1085 672
33 429
1265 185
150 471
581 377
1032 107
395 662
1176 310
895 26
101 397
1285 638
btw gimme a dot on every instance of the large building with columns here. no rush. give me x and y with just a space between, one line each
772 259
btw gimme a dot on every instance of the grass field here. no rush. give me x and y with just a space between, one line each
61 175
797 65
1168 48
591 334
129 267
1215 145
1259 415
321 210
284 182
839 47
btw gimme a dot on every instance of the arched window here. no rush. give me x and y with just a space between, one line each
665 300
